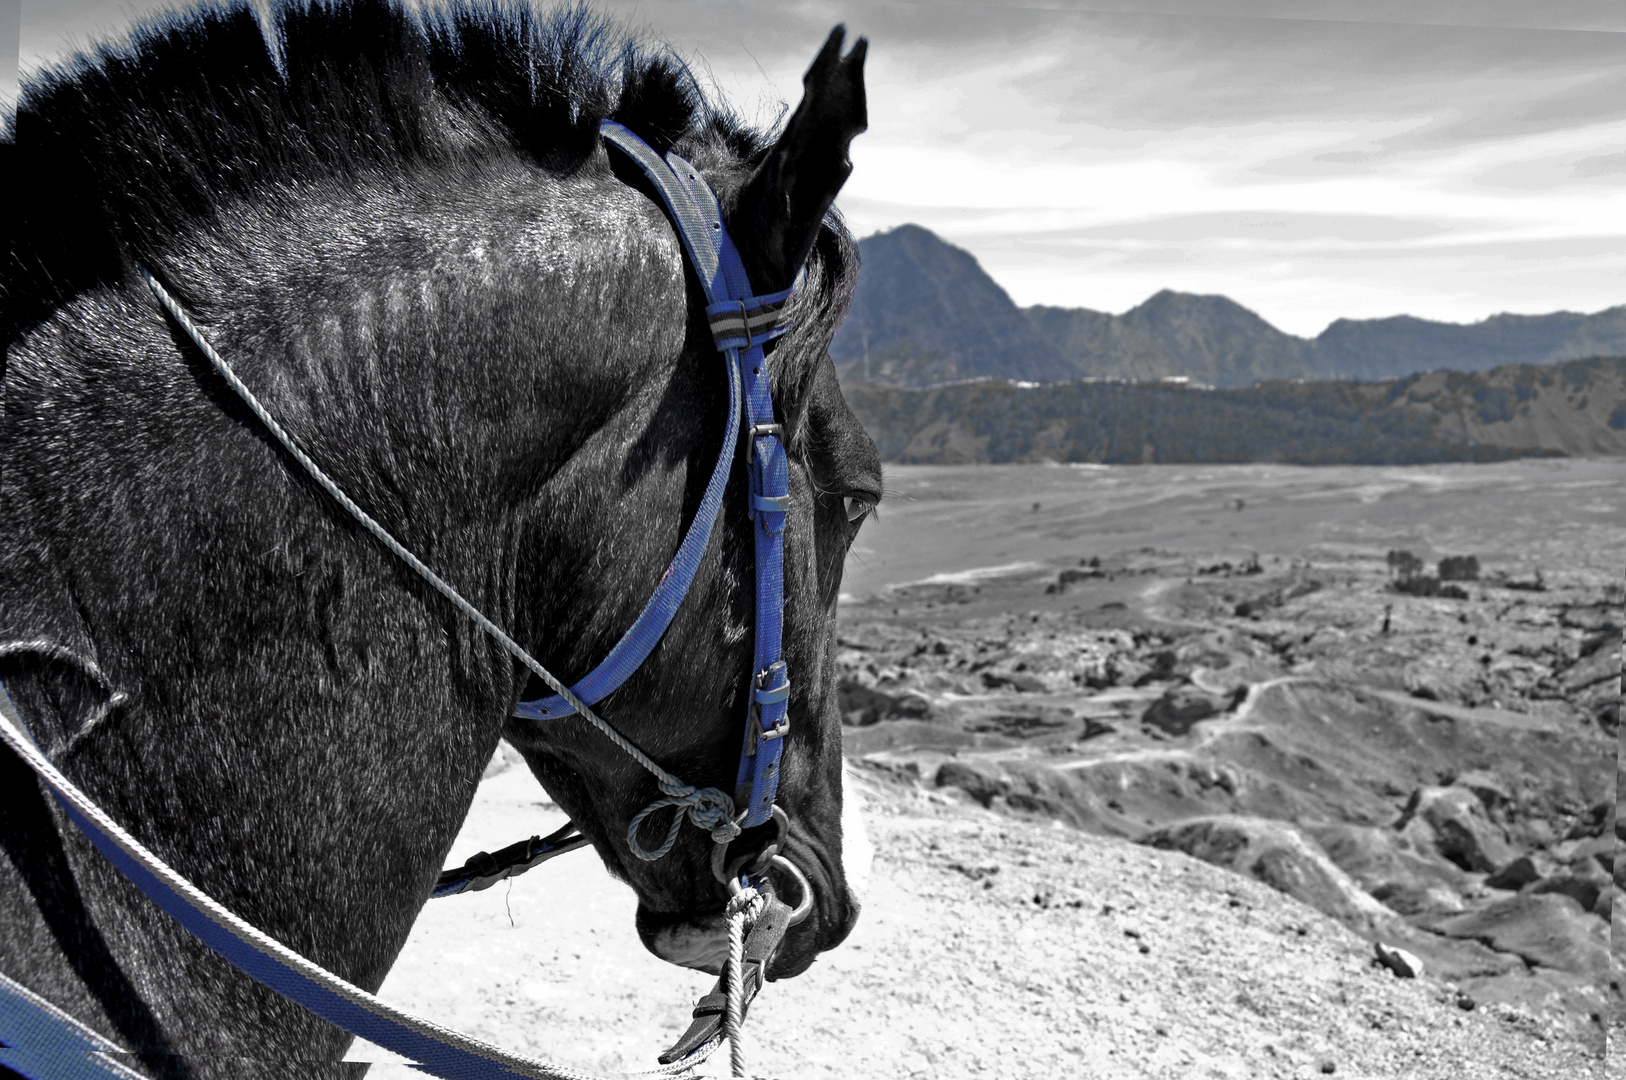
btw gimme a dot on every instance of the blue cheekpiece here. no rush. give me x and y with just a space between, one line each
741 323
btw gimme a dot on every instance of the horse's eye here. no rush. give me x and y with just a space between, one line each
857 507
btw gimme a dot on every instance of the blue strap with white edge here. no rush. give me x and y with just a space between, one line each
738 320
42 1042
33 1050
768 705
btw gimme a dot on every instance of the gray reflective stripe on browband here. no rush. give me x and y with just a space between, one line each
740 327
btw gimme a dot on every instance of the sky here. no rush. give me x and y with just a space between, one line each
1318 159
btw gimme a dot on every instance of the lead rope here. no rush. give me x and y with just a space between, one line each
709 808
742 909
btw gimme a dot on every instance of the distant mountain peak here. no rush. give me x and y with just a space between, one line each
926 313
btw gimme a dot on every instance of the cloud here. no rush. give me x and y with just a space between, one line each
1447 158
10 33
1269 227
1600 166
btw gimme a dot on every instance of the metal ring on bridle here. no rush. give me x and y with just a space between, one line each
805 905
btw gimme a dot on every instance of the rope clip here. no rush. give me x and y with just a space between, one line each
752 863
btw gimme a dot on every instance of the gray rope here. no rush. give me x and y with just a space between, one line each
707 808
742 908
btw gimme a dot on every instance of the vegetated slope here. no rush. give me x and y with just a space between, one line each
1215 340
1211 339
925 313
1576 408
1375 348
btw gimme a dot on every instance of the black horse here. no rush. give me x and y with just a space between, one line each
406 235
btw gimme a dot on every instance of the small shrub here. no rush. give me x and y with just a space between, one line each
1459 568
1404 565
1418 585
1429 585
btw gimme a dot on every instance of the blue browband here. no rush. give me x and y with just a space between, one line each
741 323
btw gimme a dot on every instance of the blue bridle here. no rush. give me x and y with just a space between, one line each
741 324
45 1043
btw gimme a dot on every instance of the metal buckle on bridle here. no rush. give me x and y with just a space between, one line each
733 873
761 431
762 695
778 731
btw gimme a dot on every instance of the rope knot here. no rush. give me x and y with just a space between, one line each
745 901
743 909
708 808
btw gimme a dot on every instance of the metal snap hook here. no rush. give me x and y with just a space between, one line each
752 863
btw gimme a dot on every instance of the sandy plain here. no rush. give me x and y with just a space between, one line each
947 520
1028 937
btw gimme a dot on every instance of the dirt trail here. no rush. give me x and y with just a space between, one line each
989 947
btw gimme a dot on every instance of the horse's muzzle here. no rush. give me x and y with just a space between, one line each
835 888
692 942
701 941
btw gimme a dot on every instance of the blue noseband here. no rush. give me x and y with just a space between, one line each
741 323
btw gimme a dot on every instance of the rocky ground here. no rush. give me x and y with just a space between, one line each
1437 774
991 945
1148 783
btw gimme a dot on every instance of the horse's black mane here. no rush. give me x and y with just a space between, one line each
119 150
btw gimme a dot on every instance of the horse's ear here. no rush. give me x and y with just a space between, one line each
782 205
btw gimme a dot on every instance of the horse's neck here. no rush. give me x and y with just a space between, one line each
299 723
293 726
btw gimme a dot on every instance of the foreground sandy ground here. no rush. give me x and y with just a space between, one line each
989 947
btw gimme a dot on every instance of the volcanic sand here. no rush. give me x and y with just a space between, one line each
953 522
993 946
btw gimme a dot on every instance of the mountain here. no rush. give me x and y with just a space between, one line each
1574 408
1376 348
925 313
1210 339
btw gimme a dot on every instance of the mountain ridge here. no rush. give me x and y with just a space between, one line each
925 313
1575 408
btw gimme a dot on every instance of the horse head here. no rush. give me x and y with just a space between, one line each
407 236
691 694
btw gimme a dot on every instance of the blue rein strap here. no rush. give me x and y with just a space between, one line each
40 1041
437 1050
